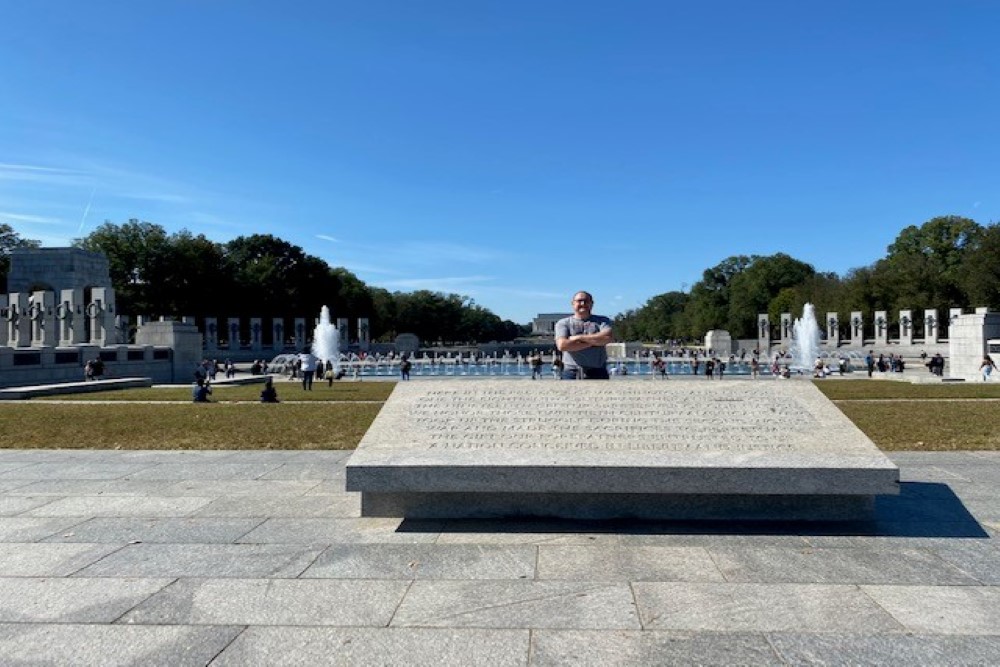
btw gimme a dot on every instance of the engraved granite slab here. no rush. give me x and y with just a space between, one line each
619 439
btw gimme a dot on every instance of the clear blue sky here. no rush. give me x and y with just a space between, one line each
511 151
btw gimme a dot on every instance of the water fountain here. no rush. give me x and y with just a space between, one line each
326 340
805 339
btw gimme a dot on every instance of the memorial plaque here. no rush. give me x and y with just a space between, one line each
600 439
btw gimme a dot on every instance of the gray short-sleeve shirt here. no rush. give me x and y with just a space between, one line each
591 357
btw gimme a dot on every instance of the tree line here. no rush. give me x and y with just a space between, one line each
945 262
155 273
948 261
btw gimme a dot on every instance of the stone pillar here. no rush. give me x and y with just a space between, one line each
832 330
278 329
857 329
211 335
256 334
233 330
786 330
4 306
18 322
906 327
881 328
101 313
364 334
122 323
764 334
345 332
953 314
183 339
720 342
69 314
299 332
968 342
931 326
43 321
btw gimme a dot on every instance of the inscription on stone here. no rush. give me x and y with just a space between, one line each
616 418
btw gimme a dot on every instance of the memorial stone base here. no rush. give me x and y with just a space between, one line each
618 449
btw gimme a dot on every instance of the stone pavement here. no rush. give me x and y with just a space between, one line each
233 558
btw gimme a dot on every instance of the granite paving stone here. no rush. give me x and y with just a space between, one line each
518 604
67 600
335 531
91 471
978 558
144 506
837 566
278 646
50 560
941 609
210 470
598 563
528 531
308 471
8 485
848 650
732 607
15 505
606 648
271 602
82 487
294 507
424 561
204 560
179 531
725 539
112 645
278 489
27 529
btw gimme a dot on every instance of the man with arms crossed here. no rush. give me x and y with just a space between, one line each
581 338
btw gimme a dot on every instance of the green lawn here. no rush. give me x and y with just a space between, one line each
328 419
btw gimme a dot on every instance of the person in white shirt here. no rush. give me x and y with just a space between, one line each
308 363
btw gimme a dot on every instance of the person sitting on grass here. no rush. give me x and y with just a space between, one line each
269 393
201 391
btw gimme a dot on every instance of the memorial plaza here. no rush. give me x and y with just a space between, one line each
264 557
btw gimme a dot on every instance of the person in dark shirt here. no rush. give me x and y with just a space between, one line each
269 393
201 391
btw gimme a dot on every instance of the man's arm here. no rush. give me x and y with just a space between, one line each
583 341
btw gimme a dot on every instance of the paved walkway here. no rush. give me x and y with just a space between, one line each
234 558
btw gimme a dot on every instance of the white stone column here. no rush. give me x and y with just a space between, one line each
299 332
832 330
967 343
786 330
69 312
906 327
4 332
233 333
931 326
881 328
18 321
344 330
278 331
256 334
43 320
953 314
364 334
764 334
101 311
211 335
857 328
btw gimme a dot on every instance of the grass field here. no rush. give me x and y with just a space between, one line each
895 415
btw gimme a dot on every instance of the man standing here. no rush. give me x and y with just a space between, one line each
308 368
582 338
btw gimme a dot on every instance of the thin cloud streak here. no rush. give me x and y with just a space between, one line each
466 284
36 219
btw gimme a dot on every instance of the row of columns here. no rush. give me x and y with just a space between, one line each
38 320
856 328
300 335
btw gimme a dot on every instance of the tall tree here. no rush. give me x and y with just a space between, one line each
751 290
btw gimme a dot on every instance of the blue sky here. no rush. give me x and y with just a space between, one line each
510 151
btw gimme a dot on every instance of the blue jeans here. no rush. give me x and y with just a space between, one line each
585 374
